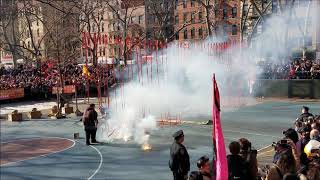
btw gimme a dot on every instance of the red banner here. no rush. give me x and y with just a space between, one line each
69 89
11 93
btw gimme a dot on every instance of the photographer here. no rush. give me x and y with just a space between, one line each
203 173
285 164
250 157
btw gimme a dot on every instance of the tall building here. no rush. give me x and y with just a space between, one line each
190 22
228 19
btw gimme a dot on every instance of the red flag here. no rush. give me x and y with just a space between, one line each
220 164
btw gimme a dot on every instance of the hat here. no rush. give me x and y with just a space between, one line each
305 108
177 134
312 144
202 160
303 129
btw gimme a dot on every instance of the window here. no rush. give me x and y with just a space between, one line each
37 22
176 19
185 34
234 12
28 44
192 3
177 36
200 16
225 29
192 33
192 17
185 17
104 51
274 7
93 28
245 8
161 5
225 13
38 32
102 27
200 33
184 3
140 19
131 20
234 29
100 52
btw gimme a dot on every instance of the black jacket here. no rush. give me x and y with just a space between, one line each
179 159
237 168
304 117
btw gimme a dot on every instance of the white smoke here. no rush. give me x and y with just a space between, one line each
180 82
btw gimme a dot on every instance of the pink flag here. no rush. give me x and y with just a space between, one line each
220 165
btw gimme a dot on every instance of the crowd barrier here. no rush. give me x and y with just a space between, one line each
294 88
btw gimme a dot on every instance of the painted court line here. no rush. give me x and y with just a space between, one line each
44 155
100 163
74 142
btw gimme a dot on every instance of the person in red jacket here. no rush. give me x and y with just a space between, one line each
90 122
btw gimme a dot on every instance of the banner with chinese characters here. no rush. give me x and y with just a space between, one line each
11 93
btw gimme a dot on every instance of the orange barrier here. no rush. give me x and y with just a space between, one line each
11 93
69 89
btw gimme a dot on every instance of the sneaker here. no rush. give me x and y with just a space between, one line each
88 144
95 142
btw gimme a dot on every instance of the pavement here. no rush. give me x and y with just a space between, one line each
261 123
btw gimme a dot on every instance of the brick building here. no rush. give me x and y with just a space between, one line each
189 19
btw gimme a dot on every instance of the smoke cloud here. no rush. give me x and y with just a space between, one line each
178 81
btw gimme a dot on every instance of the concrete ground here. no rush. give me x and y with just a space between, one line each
262 124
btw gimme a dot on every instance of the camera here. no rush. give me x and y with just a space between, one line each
282 144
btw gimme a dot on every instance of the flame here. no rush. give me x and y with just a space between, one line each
146 147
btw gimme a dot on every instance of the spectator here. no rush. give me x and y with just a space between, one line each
285 164
250 157
203 172
236 164
314 135
305 114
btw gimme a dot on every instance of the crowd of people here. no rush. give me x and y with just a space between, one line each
297 69
41 80
296 157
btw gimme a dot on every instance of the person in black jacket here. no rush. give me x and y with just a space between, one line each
305 114
236 164
179 158
90 121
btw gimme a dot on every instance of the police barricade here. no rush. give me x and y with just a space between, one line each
11 94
